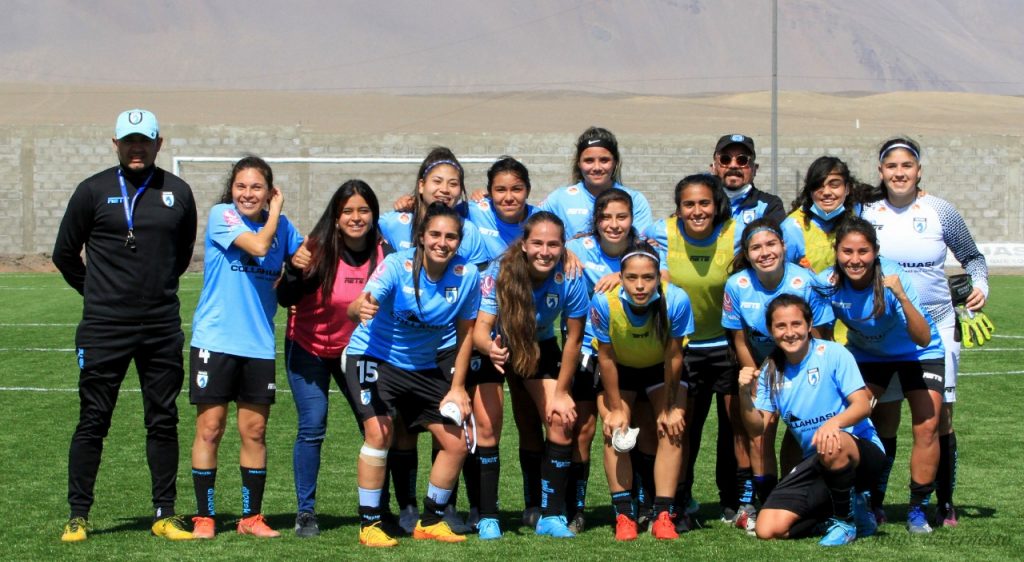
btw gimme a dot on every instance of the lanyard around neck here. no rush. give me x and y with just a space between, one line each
129 207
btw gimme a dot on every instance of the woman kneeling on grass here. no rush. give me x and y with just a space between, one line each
232 356
815 388
639 327
410 303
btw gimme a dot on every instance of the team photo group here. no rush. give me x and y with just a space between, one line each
595 318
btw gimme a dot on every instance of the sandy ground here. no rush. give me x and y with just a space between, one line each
519 112
914 113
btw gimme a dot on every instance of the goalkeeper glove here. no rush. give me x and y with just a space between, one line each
975 327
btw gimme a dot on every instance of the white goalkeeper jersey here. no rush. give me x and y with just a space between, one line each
917 237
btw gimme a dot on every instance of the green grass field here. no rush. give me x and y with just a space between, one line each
40 408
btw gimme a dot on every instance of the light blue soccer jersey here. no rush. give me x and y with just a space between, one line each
558 295
396 228
746 303
574 204
495 234
884 338
404 333
236 308
596 264
677 305
814 391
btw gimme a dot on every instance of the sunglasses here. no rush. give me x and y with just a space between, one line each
740 159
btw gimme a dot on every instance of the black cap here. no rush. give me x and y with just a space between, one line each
726 140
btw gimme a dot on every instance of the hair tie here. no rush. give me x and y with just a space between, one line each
437 163
903 145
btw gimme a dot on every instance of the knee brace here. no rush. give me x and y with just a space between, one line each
373 457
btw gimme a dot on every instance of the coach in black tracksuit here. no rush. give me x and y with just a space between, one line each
138 226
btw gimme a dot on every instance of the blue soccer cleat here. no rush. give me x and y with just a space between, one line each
839 533
554 526
917 521
862 515
488 529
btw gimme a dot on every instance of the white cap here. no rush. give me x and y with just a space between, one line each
136 121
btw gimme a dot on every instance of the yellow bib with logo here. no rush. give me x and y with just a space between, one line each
819 253
701 271
635 346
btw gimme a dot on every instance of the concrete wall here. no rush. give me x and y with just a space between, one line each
40 167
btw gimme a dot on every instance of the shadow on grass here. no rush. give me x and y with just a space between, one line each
227 522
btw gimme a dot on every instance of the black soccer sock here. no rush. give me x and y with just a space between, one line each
763 486
530 463
622 503
643 481
553 474
745 485
576 488
919 493
471 474
369 506
368 515
682 499
402 467
878 491
662 503
433 512
203 481
725 460
839 483
254 480
945 478
488 472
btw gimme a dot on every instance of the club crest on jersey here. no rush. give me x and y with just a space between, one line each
588 243
797 283
451 294
404 218
749 215
483 205
573 190
407 265
168 198
551 300
364 396
743 281
202 377
813 376
920 224
559 278
820 349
